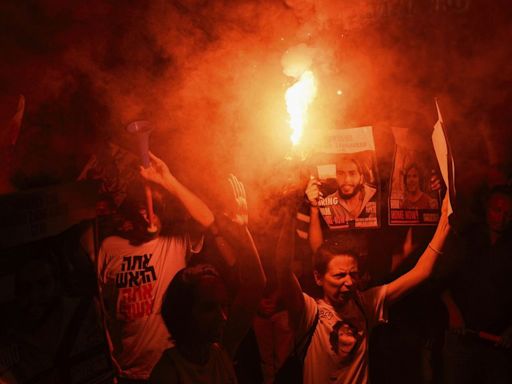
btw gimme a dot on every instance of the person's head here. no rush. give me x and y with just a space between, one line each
499 209
105 205
349 176
413 178
135 210
336 271
194 308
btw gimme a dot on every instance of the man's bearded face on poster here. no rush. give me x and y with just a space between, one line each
349 177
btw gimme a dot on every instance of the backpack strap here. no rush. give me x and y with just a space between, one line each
292 369
304 344
360 306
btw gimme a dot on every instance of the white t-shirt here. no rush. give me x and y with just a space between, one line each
132 281
338 352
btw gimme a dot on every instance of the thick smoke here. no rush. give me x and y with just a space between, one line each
208 74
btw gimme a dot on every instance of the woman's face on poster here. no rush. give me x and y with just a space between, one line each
412 180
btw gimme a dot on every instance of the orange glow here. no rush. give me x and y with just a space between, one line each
298 98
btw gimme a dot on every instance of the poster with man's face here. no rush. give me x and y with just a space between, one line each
346 169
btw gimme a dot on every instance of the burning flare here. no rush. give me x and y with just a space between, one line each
298 98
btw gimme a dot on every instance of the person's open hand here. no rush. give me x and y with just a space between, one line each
240 213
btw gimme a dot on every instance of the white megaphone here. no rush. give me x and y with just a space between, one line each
142 129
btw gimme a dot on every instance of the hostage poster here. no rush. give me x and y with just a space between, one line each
346 167
412 201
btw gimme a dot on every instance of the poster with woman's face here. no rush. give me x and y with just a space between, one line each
413 199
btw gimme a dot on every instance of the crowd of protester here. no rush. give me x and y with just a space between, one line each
344 332
200 301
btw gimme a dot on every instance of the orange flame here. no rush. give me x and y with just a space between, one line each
298 98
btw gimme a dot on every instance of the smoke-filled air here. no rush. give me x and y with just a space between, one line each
214 79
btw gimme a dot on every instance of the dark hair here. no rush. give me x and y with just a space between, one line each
353 160
181 296
330 249
421 175
134 200
362 167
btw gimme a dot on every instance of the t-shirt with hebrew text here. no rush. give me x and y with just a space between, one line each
132 280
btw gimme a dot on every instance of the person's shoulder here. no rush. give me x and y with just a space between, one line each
110 247
175 236
311 306
373 304
372 293
325 310
164 371
114 240
173 240
309 300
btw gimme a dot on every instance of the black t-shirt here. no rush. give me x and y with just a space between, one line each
482 285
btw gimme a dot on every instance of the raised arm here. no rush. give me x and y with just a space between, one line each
423 268
313 194
289 287
408 245
237 246
239 216
159 173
